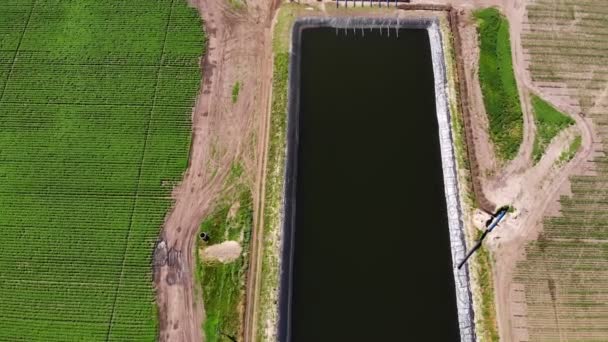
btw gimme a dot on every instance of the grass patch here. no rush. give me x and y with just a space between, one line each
236 171
274 192
286 16
486 321
235 91
237 4
498 83
549 122
224 284
568 154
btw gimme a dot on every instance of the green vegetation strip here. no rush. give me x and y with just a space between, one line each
95 106
486 321
568 154
498 84
224 284
549 122
235 91
237 4
267 309
274 189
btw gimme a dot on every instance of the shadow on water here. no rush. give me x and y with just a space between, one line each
372 255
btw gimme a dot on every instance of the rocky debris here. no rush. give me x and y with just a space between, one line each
172 277
450 179
174 258
160 254
170 258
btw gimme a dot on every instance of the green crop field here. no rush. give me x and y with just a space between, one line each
498 85
565 272
95 104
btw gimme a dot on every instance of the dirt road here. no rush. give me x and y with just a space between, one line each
239 50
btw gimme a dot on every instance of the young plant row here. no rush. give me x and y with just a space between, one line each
95 106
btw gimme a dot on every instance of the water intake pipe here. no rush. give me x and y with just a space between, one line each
494 222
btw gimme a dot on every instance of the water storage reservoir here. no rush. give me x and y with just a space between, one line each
370 252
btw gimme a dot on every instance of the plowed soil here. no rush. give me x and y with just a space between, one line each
533 190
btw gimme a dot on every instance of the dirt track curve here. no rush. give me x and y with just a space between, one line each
238 49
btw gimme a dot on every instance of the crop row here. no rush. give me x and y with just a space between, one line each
102 28
100 84
95 106
564 271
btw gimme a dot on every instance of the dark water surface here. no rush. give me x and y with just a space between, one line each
372 259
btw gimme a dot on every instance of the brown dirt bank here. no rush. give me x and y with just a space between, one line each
238 50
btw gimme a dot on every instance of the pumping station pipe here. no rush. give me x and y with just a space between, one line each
495 220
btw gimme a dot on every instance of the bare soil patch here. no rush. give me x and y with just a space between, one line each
224 252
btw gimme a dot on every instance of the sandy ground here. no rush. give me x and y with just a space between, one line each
224 252
239 49
533 190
